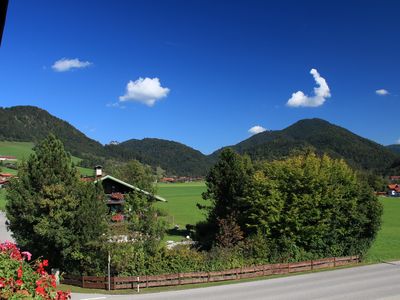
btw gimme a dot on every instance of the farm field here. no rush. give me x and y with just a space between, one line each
23 149
181 206
387 244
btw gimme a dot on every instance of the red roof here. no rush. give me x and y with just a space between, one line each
8 157
6 175
394 177
393 186
4 181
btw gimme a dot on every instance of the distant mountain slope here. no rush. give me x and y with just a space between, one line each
31 124
322 136
395 148
172 156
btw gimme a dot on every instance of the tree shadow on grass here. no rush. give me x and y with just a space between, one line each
178 232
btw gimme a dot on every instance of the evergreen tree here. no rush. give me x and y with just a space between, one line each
227 184
51 212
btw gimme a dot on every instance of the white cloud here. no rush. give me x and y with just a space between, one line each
144 90
398 141
382 92
66 64
256 129
320 94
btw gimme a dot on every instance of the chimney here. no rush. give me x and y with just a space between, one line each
98 171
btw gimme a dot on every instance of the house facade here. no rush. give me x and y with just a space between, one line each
116 190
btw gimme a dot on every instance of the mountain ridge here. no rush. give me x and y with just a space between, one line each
30 123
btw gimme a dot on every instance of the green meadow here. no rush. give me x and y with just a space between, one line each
22 150
181 206
387 244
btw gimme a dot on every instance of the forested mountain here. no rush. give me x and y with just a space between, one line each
321 136
395 148
29 123
172 156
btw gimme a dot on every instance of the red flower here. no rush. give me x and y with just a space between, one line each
19 272
19 282
45 263
40 290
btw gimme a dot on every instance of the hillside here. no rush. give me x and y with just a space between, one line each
31 124
21 150
321 136
172 156
395 148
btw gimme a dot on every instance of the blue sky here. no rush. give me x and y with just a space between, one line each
204 72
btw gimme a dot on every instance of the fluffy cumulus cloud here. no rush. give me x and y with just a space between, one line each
256 129
382 92
321 92
66 64
144 90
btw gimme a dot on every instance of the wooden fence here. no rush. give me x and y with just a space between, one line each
137 282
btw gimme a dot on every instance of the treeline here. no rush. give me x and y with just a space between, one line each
303 207
28 123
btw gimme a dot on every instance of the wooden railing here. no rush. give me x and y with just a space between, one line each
137 282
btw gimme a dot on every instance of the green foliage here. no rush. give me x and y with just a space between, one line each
48 206
137 174
308 204
227 184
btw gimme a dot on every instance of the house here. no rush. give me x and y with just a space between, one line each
116 190
7 157
394 190
394 178
5 179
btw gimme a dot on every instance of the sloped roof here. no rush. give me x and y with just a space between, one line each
132 187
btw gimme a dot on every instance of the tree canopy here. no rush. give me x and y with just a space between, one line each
50 211
305 204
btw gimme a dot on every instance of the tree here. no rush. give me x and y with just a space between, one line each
227 184
137 174
50 211
311 204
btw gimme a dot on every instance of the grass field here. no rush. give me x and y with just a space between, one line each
181 206
387 244
23 149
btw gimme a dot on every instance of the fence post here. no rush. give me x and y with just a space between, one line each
138 284
312 265
83 281
208 276
237 274
179 278
334 262
147 282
